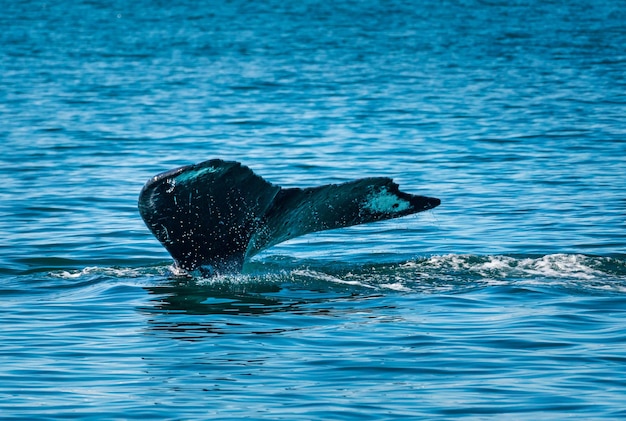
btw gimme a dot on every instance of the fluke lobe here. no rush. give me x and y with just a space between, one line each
214 215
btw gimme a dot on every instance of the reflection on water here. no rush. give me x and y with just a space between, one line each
292 294
230 304
192 297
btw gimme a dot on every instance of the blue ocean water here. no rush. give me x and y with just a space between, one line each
507 301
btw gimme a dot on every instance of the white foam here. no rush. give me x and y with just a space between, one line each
561 266
396 286
329 278
106 271
555 266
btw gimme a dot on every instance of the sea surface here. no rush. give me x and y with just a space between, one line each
508 301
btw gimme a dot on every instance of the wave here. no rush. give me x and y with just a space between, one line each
553 266
452 272
439 272
286 284
112 272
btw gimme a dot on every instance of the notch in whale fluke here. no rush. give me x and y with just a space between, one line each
216 214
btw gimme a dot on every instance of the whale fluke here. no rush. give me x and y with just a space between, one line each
216 214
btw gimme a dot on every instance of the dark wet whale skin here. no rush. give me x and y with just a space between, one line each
216 214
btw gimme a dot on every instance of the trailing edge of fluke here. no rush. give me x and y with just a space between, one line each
214 215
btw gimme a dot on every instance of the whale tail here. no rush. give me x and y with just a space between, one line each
216 214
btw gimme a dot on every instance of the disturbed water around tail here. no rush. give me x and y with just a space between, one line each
507 301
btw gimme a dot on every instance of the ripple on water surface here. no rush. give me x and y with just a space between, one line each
507 301
447 335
